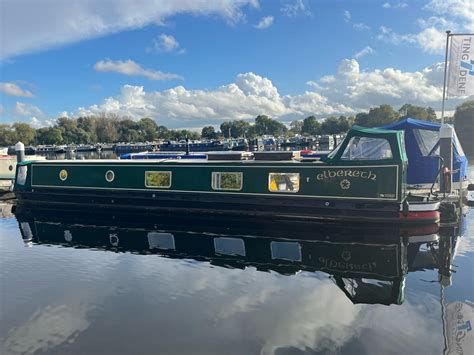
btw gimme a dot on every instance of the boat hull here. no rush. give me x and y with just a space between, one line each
274 207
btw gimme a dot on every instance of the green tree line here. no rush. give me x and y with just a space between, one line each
111 128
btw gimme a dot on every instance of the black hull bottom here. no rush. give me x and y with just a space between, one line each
276 208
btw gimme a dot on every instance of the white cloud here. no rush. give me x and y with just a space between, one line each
347 16
462 10
295 8
265 22
130 68
25 109
13 89
348 91
35 122
166 43
456 15
39 25
430 39
361 90
363 52
396 5
360 26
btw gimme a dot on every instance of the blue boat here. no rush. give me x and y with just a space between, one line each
422 148
163 155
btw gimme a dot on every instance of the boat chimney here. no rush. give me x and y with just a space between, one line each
446 134
187 146
20 152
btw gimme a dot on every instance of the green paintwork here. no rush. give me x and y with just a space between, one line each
316 180
376 180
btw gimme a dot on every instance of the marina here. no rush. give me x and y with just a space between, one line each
363 180
238 177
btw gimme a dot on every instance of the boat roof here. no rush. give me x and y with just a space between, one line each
413 123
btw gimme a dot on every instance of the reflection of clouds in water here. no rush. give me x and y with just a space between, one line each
211 307
46 329
61 308
465 244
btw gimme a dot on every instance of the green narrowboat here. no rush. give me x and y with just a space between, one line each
362 180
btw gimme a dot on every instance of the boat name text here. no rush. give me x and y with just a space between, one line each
329 174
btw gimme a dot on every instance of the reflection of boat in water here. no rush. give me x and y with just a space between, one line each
371 270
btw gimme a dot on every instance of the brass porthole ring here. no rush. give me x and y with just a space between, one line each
109 176
63 175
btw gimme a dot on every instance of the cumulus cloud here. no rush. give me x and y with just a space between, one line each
166 43
462 10
265 22
295 8
348 91
363 52
456 15
13 89
430 39
25 109
130 68
49 23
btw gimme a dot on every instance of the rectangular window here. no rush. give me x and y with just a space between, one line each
284 182
158 179
227 181
367 148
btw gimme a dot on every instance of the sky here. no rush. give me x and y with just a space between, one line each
191 63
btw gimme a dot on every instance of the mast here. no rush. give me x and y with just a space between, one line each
448 34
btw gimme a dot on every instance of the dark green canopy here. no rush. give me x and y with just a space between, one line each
394 138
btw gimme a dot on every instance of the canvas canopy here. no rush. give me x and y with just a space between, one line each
422 147
369 144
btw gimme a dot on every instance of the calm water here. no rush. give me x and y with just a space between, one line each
145 285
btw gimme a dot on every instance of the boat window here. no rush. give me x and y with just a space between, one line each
227 181
426 140
109 176
284 182
63 175
159 179
367 148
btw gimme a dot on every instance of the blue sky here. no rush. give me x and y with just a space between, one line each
188 63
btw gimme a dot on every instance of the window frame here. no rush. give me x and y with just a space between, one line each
349 159
159 171
215 173
287 191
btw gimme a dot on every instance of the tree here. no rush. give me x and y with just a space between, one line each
209 132
296 126
330 125
148 129
464 125
311 126
7 135
24 133
421 113
49 135
264 125
377 116
237 128
107 129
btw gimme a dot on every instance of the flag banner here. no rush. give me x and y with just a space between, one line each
461 66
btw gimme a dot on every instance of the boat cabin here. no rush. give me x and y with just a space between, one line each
361 180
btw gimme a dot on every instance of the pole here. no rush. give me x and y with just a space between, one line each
448 33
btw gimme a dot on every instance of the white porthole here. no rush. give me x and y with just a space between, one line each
109 176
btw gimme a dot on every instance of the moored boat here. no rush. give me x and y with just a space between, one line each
362 181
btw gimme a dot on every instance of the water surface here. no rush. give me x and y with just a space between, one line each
106 284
